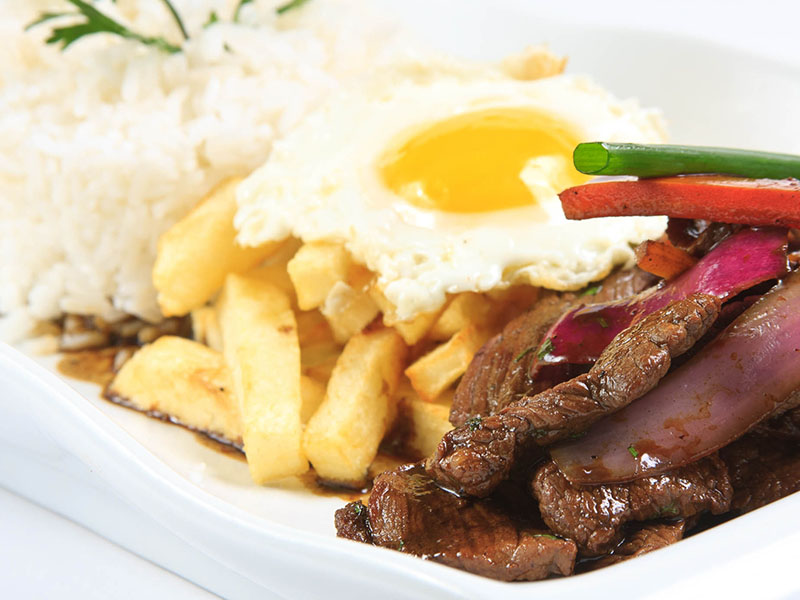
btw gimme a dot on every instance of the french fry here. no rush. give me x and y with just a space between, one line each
313 393
348 311
196 253
315 269
318 359
184 381
274 269
205 327
342 437
413 330
421 424
433 373
464 309
259 335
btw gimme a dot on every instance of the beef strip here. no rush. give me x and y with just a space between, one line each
500 371
785 426
351 522
478 455
594 516
408 512
763 469
644 539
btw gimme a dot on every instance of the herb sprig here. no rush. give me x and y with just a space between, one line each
92 21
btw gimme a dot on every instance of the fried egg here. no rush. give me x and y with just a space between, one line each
451 185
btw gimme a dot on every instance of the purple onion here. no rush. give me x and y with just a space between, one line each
738 379
738 263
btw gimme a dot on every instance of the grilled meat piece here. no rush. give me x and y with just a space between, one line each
648 537
594 516
475 457
500 372
408 512
351 522
763 469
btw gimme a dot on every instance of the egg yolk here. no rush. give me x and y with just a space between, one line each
474 162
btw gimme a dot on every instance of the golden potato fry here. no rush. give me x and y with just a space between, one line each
464 309
437 370
413 330
313 393
420 425
205 327
312 328
315 269
319 358
348 311
185 381
342 437
274 269
196 253
259 335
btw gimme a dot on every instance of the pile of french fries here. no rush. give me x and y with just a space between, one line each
297 357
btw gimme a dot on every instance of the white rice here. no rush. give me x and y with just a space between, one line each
106 145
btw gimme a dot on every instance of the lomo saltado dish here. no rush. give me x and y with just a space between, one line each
573 373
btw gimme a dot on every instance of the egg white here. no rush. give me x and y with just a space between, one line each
322 183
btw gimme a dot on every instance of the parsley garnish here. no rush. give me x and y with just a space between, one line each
546 349
289 6
474 423
592 291
212 18
358 508
400 545
633 451
523 354
236 13
95 21
549 536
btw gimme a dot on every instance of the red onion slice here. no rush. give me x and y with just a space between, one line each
734 382
741 261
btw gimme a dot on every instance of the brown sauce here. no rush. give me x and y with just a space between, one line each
319 487
94 366
217 445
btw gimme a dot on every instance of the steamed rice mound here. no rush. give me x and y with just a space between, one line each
106 145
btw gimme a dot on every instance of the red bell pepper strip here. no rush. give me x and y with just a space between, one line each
710 197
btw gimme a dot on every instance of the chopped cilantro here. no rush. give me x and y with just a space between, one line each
592 291
523 354
549 536
358 508
546 349
474 423
633 451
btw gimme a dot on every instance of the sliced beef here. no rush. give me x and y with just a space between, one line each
594 516
500 371
785 426
475 457
763 469
644 539
408 512
351 522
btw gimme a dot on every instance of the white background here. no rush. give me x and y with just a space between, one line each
45 556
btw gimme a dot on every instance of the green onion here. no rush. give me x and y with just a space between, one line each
601 158
290 6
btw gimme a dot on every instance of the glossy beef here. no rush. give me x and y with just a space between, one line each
478 455
646 538
351 522
409 513
763 468
594 516
500 372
